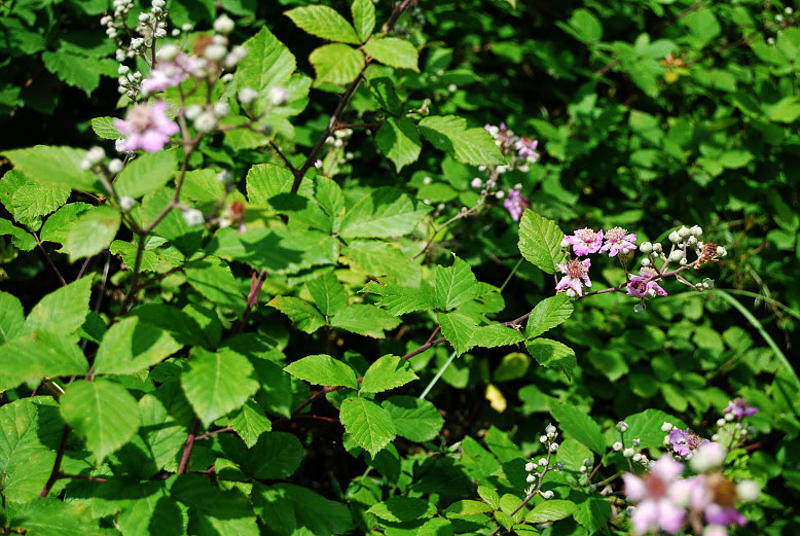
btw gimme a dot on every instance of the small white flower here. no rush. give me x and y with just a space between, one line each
696 230
674 237
452 88
622 426
542 462
551 430
548 494
617 446
530 466
720 422
628 452
427 180
205 122
476 183
583 468
193 217
748 490
126 203
666 427
221 109
637 457
721 251
500 194
278 96
215 52
708 455
168 52
115 166
553 447
542 439
677 255
193 111
531 478
224 25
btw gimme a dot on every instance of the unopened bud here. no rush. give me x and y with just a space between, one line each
126 203
224 25
115 166
277 96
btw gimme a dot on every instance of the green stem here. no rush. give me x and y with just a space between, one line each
438 375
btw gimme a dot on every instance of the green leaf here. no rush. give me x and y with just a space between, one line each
30 429
383 212
147 173
551 510
540 241
56 228
646 426
54 165
166 417
414 418
370 425
53 517
302 314
512 367
580 426
399 300
336 63
323 370
78 70
64 310
268 63
104 127
250 423
363 12
92 232
130 346
103 412
19 237
549 313
550 353
324 22
388 372
28 199
383 260
213 279
275 455
213 512
398 139
458 329
12 317
217 383
401 509
593 513
471 145
40 354
364 319
328 293
383 90
394 52
585 26
495 335
786 110
288 509
455 285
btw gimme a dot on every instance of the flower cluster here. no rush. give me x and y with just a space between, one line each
522 150
537 470
146 126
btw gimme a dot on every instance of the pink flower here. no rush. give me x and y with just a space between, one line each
655 509
147 127
713 495
515 203
618 239
724 515
169 73
740 408
585 241
526 148
642 286
577 275
684 441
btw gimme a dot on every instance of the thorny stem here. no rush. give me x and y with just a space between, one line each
334 120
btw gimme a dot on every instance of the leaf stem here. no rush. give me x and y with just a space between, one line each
187 450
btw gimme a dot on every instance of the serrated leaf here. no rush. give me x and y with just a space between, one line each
336 64
323 370
369 425
268 63
540 241
63 310
250 422
457 328
104 127
551 510
130 346
213 511
103 412
512 367
580 426
383 212
381 260
324 22
328 293
455 285
388 372
216 383
56 228
30 358
27 200
398 300
303 315
213 279
29 434
495 335
786 110
399 141
366 320
290 509
471 145
53 517
147 173
92 232
276 455
549 313
415 419
78 70
400 509
394 52
550 353
363 12
54 165
166 417
593 513
21 238
12 317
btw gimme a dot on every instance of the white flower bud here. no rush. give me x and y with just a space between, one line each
123 70
205 122
221 109
115 166
646 247
186 27
748 490
696 230
583 469
720 422
530 466
637 457
708 455
542 439
247 95
551 430
677 255
168 52
553 447
224 25
617 446
531 478
215 52
666 427
645 262
476 183
499 194
193 217
278 96
683 232
622 426
548 494
95 155
691 240
628 452
638 308
707 283
193 112
721 251
159 4
126 203
674 237
542 462
636 442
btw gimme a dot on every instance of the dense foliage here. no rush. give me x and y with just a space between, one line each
439 268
